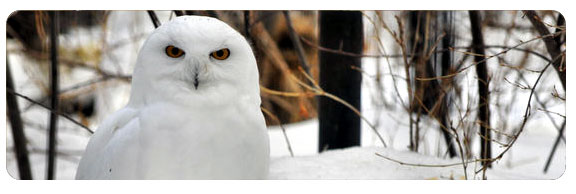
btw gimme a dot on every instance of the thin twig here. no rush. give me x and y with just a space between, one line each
556 95
542 104
517 84
286 94
267 112
547 111
519 49
461 150
319 91
526 112
485 59
550 42
296 42
428 165
345 53
105 77
51 110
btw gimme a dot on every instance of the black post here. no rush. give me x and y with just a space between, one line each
53 128
340 126
17 128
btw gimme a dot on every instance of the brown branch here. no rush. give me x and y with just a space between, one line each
556 95
296 42
275 118
50 109
78 64
461 150
520 49
266 43
104 78
538 100
526 112
547 111
485 59
345 53
428 165
319 91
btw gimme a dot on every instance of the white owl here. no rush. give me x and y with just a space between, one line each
194 110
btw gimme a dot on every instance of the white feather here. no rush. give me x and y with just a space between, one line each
173 130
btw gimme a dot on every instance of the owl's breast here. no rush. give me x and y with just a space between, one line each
223 143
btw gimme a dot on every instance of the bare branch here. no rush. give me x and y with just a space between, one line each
154 18
267 112
51 110
428 165
296 42
552 46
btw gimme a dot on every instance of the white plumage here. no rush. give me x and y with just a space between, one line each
190 116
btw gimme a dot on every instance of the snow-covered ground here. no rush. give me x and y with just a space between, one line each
525 160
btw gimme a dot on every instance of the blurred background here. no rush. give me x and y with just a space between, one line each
444 84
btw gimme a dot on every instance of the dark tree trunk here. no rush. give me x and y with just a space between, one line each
429 97
420 42
559 41
446 58
18 134
53 128
340 126
483 87
553 43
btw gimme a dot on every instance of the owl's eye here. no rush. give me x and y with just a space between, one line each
221 54
174 52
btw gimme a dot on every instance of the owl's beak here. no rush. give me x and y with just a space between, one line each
196 69
196 82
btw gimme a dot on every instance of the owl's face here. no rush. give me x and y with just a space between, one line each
195 58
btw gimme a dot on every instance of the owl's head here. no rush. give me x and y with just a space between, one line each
197 60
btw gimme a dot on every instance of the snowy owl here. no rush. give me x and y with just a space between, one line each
194 110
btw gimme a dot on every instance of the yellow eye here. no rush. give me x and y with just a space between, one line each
221 54
174 52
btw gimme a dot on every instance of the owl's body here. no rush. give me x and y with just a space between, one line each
195 116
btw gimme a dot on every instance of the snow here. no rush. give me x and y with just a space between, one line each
525 160
357 163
